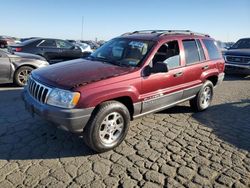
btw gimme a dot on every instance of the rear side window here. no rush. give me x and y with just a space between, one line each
212 49
191 52
48 43
201 51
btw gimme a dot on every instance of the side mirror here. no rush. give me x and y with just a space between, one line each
158 67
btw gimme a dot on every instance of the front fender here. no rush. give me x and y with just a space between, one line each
94 98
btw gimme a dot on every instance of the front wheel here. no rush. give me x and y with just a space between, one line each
21 75
204 98
107 127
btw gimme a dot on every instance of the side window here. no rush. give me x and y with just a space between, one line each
212 49
191 52
48 43
63 44
168 53
201 51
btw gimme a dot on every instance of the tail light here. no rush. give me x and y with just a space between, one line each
18 49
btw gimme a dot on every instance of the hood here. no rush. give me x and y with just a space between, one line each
238 52
70 74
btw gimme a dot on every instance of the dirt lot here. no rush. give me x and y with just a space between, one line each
175 147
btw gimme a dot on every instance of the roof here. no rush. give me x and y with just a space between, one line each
156 34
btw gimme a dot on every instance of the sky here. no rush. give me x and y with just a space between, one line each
225 20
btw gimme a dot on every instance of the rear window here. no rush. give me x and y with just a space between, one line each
191 52
212 49
26 42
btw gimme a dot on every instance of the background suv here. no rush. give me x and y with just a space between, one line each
53 50
237 57
132 75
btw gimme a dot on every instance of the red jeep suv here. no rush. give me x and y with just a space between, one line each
132 75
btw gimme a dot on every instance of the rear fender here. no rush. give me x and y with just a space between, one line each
209 73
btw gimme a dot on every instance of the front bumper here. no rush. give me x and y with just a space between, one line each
73 120
237 68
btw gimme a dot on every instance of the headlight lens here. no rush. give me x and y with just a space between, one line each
63 98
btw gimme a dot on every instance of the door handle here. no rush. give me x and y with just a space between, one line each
178 74
205 67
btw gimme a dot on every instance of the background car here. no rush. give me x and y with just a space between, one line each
53 50
17 67
5 41
237 57
93 44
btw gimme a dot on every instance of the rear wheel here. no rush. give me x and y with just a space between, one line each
107 127
21 75
204 98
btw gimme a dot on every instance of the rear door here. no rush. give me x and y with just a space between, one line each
163 89
195 64
5 68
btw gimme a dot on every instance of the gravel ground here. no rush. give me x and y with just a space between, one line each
172 148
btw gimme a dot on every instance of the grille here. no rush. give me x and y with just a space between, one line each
37 90
238 59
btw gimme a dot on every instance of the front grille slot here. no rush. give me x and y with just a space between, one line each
238 59
37 90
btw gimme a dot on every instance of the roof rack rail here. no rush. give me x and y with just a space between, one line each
166 32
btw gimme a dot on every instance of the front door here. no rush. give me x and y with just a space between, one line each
164 89
68 51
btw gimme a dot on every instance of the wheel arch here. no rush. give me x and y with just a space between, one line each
24 65
213 79
125 100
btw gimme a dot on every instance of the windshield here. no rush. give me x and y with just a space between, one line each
242 44
123 52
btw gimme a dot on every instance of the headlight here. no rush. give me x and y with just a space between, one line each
63 98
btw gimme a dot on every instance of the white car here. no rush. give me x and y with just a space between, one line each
84 47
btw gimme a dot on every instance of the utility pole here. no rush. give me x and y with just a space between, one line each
82 28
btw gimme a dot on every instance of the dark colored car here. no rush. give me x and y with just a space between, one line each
53 50
17 67
25 39
237 57
129 76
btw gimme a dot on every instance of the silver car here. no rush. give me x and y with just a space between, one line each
16 68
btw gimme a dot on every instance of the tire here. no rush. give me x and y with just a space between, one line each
204 98
107 127
21 75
